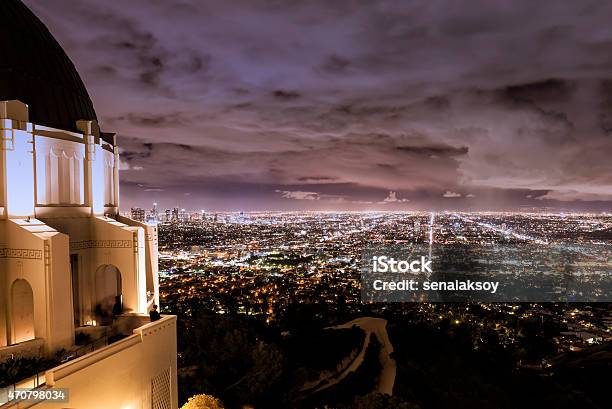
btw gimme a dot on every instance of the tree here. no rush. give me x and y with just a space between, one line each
267 369
203 402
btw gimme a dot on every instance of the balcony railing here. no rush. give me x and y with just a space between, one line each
37 380
124 326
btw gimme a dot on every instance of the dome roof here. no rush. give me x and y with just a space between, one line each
35 70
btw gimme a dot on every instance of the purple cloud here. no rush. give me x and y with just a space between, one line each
238 101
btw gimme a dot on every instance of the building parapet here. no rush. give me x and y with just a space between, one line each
64 370
146 343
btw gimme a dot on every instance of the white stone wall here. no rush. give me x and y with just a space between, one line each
60 177
18 169
121 375
109 175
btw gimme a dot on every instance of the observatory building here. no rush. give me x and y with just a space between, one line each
77 280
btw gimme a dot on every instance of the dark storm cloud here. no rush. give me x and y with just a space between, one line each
315 178
282 94
433 150
493 103
151 120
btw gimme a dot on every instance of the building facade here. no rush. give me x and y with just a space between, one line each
72 270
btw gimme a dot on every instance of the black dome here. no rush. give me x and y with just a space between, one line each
35 70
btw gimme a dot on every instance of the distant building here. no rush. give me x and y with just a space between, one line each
68 271
137 214
154 214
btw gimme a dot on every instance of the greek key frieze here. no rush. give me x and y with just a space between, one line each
104 244
29 254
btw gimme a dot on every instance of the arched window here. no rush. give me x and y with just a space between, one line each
107 288
22 312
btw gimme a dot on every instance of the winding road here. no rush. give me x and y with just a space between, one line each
378 327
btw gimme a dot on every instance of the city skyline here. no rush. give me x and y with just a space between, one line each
411 106
177 215
147 210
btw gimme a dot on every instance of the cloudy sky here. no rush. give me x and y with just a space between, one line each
249 104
